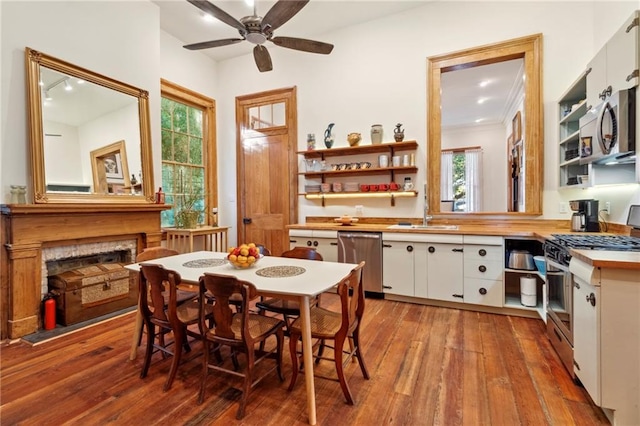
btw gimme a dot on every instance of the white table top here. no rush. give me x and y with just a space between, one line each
317 278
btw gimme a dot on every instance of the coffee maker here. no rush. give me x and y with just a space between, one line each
585 216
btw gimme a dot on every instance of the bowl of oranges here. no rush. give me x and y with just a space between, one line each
244 256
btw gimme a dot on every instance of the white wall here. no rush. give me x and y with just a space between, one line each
376 74
116 39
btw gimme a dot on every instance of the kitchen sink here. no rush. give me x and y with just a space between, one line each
434 227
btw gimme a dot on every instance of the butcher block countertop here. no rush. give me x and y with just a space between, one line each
520 228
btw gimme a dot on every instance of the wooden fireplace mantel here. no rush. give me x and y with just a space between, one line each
28 228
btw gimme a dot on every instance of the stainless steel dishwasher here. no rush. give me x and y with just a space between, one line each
354 247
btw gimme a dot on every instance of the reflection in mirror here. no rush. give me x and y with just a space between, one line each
80 122
503 190
265 116
478 104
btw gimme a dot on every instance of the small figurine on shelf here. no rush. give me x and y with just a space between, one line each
133 180
328 136
398 133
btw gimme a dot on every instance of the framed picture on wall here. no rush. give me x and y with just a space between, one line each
516 127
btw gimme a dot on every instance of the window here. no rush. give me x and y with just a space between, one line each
188 155
461 179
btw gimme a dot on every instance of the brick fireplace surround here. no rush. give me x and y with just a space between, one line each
26 230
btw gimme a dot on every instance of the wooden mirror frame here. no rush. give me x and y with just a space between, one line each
34 60
530 49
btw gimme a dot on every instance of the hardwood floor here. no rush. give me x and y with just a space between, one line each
428 366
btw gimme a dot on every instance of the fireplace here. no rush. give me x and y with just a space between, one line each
34 234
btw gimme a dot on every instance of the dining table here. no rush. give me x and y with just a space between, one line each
273 276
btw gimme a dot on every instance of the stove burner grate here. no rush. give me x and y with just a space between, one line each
598 242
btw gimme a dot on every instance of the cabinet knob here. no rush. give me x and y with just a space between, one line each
432 249
482 252
482 291
633 75
409 249
592 299
482 268
315 244
308 243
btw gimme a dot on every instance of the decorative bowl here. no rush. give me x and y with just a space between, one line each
244 256
244 265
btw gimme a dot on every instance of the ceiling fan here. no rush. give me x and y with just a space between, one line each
257 30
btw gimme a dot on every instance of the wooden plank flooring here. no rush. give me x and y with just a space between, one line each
428 366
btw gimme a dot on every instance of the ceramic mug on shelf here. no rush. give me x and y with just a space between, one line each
383 187
373 187
395 160
394 186
383 161
364 188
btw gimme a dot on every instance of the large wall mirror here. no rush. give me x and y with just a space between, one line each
90 135
508 146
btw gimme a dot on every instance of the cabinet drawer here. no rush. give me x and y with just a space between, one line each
483 252
474 289
483 269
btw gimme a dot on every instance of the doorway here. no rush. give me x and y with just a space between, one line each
266 129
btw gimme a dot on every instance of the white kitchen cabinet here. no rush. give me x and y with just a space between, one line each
398 264
607 339
445 272
616 64
483 270
586 338
325 242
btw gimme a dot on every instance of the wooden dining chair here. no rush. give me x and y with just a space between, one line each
340 326
240 331
148 254
160 285
289 309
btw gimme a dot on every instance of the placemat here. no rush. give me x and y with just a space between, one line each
204 263
280 271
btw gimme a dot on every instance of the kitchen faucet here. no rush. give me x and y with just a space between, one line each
425 217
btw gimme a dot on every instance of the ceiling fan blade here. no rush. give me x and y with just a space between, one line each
212 43
262 57
305 45
218 13
281 12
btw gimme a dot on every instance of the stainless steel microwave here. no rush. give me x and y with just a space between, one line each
608 131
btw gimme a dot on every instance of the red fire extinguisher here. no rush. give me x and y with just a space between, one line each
49 312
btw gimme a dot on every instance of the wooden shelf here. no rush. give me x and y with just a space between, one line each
361 149
572 137
350 195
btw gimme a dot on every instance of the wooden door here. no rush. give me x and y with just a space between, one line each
266 127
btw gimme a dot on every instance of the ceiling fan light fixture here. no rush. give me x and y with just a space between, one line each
256 38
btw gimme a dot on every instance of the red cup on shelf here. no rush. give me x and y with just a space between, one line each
394 186
373 187
383 187
364 188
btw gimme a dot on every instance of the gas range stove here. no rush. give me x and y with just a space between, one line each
558 248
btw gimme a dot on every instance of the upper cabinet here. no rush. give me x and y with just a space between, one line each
616 65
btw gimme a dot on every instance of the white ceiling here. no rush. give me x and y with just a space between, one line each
185 21
318 19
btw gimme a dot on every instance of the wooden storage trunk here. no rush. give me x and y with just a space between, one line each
92 291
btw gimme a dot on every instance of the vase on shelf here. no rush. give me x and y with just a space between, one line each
328 136
311 142
398 133
376 134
